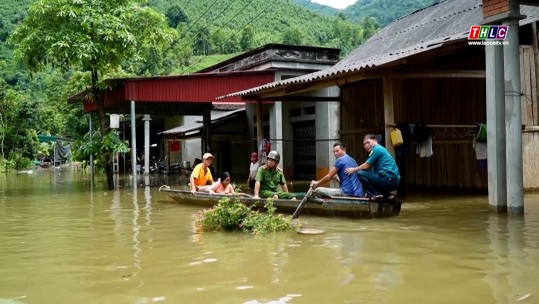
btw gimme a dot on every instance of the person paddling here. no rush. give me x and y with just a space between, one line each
349 184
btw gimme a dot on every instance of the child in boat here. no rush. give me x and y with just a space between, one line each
251 178
222 186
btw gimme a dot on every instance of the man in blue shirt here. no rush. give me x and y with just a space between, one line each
350 185
379 174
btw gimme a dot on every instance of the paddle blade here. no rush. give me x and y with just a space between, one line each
302 204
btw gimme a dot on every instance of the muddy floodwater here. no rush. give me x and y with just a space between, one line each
62 243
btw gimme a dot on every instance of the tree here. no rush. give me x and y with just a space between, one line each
293 36
247 38
175 15
224 42
18 138
202 42
347 36
370 27
95 36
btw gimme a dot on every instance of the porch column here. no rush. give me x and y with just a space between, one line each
259 128
206 133
389 116
276 131
497 183
133 144
327 122
513 118
146 120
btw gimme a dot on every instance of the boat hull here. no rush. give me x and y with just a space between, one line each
336 206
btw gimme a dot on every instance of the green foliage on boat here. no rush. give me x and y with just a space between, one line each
230 214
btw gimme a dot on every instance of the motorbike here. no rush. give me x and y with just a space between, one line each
163 168
175 168
153 164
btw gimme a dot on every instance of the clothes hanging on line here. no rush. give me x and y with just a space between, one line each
424 148
480 153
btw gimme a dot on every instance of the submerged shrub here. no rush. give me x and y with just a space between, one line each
232 215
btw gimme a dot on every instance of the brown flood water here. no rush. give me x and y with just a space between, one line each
59 243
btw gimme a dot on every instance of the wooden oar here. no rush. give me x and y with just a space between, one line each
303 202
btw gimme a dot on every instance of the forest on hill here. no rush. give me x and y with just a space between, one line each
383 11
206 32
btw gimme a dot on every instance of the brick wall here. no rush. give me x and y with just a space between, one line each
494 7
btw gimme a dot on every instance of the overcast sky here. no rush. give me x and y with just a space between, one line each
335 3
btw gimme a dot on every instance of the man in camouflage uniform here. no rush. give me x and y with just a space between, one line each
269 176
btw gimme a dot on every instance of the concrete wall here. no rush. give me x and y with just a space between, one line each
327 123
287 143
169 123
191 148
327 133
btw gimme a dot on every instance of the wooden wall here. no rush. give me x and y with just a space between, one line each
530 117
431 101
362 112
530 157
448 102
442 101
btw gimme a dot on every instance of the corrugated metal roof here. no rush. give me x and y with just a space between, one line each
426 29
194 87
197 126
162 90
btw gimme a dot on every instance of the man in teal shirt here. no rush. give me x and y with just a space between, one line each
268 177
379 174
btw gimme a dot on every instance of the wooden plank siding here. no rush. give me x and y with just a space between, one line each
529 87
362 112
530 112
446 102
441 101
530 155
430 101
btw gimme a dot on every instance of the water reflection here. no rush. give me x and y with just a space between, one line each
510 242
148 205
115 212
136 231
64 244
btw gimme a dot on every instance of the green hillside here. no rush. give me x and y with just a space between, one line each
227 22
318 8
384 11
210 27
207 31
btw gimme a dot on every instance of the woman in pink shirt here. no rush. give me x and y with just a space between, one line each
222 186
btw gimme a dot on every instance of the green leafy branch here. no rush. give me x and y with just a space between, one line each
230 214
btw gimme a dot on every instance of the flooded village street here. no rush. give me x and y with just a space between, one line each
270 93
60 243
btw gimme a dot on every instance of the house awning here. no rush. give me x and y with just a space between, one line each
173 95
52 138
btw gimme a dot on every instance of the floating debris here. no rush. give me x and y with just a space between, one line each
310 231
524 297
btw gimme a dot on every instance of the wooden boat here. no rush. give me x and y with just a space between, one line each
356 207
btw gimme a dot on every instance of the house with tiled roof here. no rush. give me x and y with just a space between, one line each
426 68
